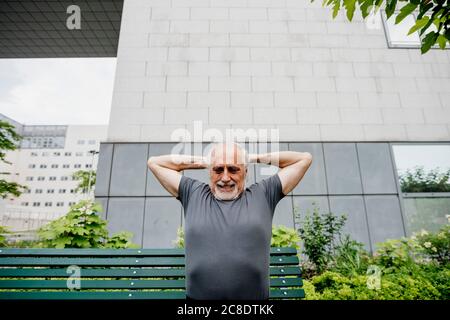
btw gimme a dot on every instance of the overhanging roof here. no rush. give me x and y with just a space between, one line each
37 29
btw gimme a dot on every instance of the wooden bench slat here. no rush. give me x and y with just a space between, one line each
146 261
124 273
91 295
114 252
123 295
123 284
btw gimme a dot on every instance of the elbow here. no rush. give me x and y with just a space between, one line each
308 158
151 162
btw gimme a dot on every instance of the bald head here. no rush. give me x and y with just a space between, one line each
227 170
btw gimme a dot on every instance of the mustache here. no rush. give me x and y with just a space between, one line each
223 184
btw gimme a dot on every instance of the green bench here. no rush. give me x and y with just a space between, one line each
119 274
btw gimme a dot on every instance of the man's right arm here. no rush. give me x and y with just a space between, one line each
167 169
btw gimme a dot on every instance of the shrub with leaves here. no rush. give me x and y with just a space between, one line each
335 286
179 242
436 246
350 257
3 231
320 235
283 236
82 227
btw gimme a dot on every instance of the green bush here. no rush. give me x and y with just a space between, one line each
3 231
320 235
283 236
335 286
436 245
82 227
350 257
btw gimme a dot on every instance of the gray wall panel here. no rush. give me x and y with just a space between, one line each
314 181
356 224
262 171
377 172
129 170
126 214
162 218
104 203
385 220
306 204
284 213
154 188
342 168
103 170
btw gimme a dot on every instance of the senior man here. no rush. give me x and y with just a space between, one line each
228 226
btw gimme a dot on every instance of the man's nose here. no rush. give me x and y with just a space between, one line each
225 176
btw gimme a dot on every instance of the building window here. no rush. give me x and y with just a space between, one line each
33 154
56 154
29 178
62 190
50 190
60 204
64 178
48 204
87 166
43 166
25 204
38 191
45 154
72 190
36 204
78 154
31 166
41 178
424 184
80 142
397 34
68 154
54 166
91 141
71 203
52 178
77 166
66 166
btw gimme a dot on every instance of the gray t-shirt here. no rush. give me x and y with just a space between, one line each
228 242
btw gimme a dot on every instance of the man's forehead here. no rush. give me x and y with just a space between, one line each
226 154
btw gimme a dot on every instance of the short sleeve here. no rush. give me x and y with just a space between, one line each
273 190
185 189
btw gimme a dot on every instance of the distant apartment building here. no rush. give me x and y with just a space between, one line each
45 161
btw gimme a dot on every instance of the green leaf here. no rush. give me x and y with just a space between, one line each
350 7
336 7
419 24
405 11
428 41
442 41
390 7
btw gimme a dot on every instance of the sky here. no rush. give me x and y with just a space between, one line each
57 91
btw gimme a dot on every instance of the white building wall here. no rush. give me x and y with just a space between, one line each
282 64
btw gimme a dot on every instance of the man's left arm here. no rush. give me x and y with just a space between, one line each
293 166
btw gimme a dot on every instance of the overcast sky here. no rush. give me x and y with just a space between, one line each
57 91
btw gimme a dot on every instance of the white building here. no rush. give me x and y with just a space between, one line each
47 158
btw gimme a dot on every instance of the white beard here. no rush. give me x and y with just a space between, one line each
220 195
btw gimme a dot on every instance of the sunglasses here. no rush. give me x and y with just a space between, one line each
231 169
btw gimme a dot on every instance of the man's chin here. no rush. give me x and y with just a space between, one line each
226 195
